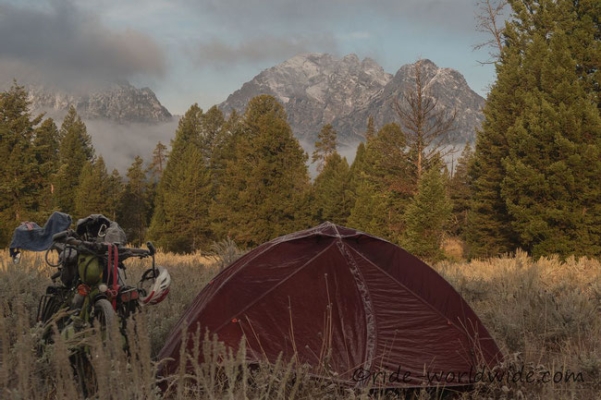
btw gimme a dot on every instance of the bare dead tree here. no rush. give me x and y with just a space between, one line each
489 20
428 128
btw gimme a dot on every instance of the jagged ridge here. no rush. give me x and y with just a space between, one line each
120 102
317 89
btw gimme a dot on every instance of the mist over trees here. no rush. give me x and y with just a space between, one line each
530 182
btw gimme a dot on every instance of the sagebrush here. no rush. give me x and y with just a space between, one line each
545 315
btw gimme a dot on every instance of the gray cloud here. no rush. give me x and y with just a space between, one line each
218 53
257 15
75 42
252 31
62 44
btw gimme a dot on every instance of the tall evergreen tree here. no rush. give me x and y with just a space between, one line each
115 194
180 220
92 193
21 183
46 145
187 134
324 146
383 178
370 132
213 122
427 216
186 206
224 146
265 183
158 162
355 176
460 193
154 171
75 151
331 191
357 165
536 166
133 206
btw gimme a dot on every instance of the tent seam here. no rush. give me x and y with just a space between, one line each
282 281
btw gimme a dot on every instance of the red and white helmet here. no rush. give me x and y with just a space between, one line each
159 289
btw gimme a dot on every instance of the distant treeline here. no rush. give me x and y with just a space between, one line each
245 178
532 182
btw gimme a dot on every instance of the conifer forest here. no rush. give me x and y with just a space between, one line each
530 181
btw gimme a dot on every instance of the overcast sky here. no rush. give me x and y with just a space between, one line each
200 51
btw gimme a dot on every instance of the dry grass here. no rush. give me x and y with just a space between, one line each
545 315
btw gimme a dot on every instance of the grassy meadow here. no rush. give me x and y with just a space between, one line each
545 315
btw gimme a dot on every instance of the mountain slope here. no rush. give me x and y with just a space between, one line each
119 102
317 89
448 87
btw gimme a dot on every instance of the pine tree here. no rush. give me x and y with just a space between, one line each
180 220
370 132
158 162
489 223
92 193
460 193
45 146
536 166
355 175
213 122
427 216
383 180
186 205
75 151
154 171
324 146
114 194
358 163
224 146
330 191
265 182
21 183
187 134
583 29
133 207
370 209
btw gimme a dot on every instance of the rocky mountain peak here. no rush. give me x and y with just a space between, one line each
119 102
317 89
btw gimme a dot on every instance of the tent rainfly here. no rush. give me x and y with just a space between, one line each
380 315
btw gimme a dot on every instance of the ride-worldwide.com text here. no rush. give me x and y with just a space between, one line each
510 375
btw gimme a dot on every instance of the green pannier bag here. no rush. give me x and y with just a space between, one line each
90 269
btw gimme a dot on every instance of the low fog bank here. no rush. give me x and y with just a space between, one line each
119 144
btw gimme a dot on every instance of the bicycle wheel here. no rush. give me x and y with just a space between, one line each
104 319
84 373
104 315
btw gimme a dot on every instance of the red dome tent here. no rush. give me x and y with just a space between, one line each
368 303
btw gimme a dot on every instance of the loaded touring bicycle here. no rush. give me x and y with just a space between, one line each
89 289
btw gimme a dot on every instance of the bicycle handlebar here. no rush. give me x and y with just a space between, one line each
67 237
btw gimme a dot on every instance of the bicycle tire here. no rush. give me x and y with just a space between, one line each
104 319
105 315
84 373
